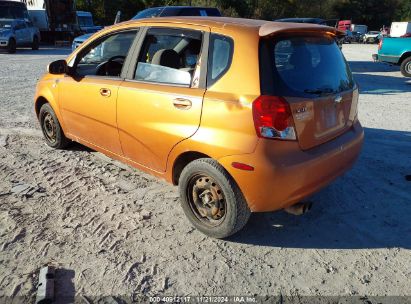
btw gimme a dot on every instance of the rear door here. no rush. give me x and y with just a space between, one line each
311 73
160 102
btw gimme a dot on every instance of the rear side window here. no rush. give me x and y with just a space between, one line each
219 57
303 66
170 56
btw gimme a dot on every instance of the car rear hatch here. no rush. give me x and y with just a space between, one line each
304 66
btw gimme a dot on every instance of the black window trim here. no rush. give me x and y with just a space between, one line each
213 36
129 76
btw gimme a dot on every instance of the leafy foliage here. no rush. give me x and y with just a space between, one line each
374 13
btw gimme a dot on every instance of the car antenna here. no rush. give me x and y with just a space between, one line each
164 7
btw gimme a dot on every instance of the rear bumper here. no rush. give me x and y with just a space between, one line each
385 58
284 174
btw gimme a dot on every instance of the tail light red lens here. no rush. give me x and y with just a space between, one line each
380 44
272 118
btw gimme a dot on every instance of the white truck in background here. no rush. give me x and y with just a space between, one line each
399 29
59 19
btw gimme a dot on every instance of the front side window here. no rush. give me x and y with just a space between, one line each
107 56
170 56
220 57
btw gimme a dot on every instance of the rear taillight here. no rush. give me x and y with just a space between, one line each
272 118
380 44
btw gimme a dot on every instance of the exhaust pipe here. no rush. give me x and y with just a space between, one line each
299 208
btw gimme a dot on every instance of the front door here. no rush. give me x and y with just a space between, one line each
160 102
88 98
20 32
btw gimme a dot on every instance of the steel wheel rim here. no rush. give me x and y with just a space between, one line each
408 67
206 200
49 128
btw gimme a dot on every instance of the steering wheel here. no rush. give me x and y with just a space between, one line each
111 67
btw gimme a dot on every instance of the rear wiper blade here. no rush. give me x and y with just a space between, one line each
320 91
314 92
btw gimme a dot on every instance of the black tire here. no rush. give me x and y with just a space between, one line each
406 67
36 43
12 46
236 213
52 131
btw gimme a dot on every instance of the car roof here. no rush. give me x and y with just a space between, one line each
264 27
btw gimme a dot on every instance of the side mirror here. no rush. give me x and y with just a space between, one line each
57 67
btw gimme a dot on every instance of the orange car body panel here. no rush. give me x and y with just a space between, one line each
219 123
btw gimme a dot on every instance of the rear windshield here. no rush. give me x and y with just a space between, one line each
303 66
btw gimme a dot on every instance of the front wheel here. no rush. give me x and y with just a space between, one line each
52 131
406 67
12 46
36 43
211 199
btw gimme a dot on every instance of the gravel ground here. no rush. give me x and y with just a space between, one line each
113 230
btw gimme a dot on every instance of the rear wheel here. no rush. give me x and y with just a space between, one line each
12 46
36 43
52 131
406 67
211 199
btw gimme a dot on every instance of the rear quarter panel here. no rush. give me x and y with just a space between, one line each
227 125
393 48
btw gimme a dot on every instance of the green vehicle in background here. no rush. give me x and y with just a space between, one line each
395 51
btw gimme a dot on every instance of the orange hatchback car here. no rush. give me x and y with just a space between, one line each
244 115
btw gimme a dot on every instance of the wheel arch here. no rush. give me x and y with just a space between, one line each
404 56
40 101
181 161
44 98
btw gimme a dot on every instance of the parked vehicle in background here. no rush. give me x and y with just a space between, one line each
16 33
372 37
359 28
303 20
344 25
395 51
167 11
59 20
16 29
262 145
86 23
13 10
399 29
357 37
348 38
331 22
163 11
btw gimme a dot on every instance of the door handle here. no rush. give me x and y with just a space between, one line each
182 103
105 92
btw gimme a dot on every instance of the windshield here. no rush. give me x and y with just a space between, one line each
6 24
85 21
304 66
10 10
148 13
